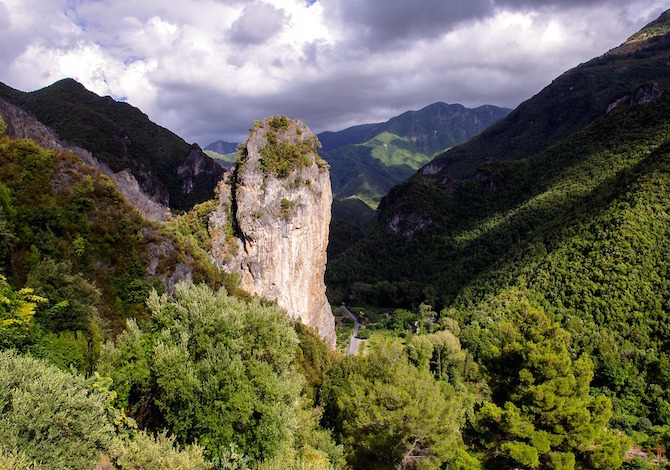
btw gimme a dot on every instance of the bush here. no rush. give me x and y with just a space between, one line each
51 417
159 452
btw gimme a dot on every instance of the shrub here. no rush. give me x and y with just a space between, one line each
50 416
160 452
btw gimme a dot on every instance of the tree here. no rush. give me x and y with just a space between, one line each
159 452
394 415
441 352
51 417
77 297
542 415
17 310
7 238
54 419
210 368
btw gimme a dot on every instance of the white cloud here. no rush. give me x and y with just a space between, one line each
207 68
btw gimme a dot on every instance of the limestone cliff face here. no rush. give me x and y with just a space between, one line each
272 222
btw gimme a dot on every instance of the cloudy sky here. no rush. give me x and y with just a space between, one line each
206 69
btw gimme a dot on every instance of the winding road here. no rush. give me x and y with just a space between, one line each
353 345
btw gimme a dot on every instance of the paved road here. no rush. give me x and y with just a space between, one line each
353 345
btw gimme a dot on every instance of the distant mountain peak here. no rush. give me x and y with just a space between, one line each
222 147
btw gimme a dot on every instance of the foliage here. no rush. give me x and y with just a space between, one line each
54 419
392 414
17 310
278 123
577 227
541 412
289 459
285 207
211 368
159 452
440 352
71 296
51 417
13 460
194 224
284 153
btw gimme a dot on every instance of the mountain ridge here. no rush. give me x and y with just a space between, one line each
367 160
121 136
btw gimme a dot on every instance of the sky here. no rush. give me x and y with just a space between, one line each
206 69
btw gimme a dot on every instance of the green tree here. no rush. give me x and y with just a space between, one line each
210 368
7 238
51 417
77 296
159 452
17 310
441 352
542 415
394 415
69 331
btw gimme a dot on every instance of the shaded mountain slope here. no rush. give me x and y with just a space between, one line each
171 171
446 234
580 227
349 136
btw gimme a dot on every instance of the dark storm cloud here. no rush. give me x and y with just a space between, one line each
387 24
257 23
390 59
538 4
380 24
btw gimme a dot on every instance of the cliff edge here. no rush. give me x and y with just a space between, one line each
272 221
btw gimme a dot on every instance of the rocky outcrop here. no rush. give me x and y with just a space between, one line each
647 93
271 225
406 225
644 94
22 125
197 168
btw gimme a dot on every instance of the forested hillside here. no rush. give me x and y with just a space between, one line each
199 378
168 169
68 235
564 210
